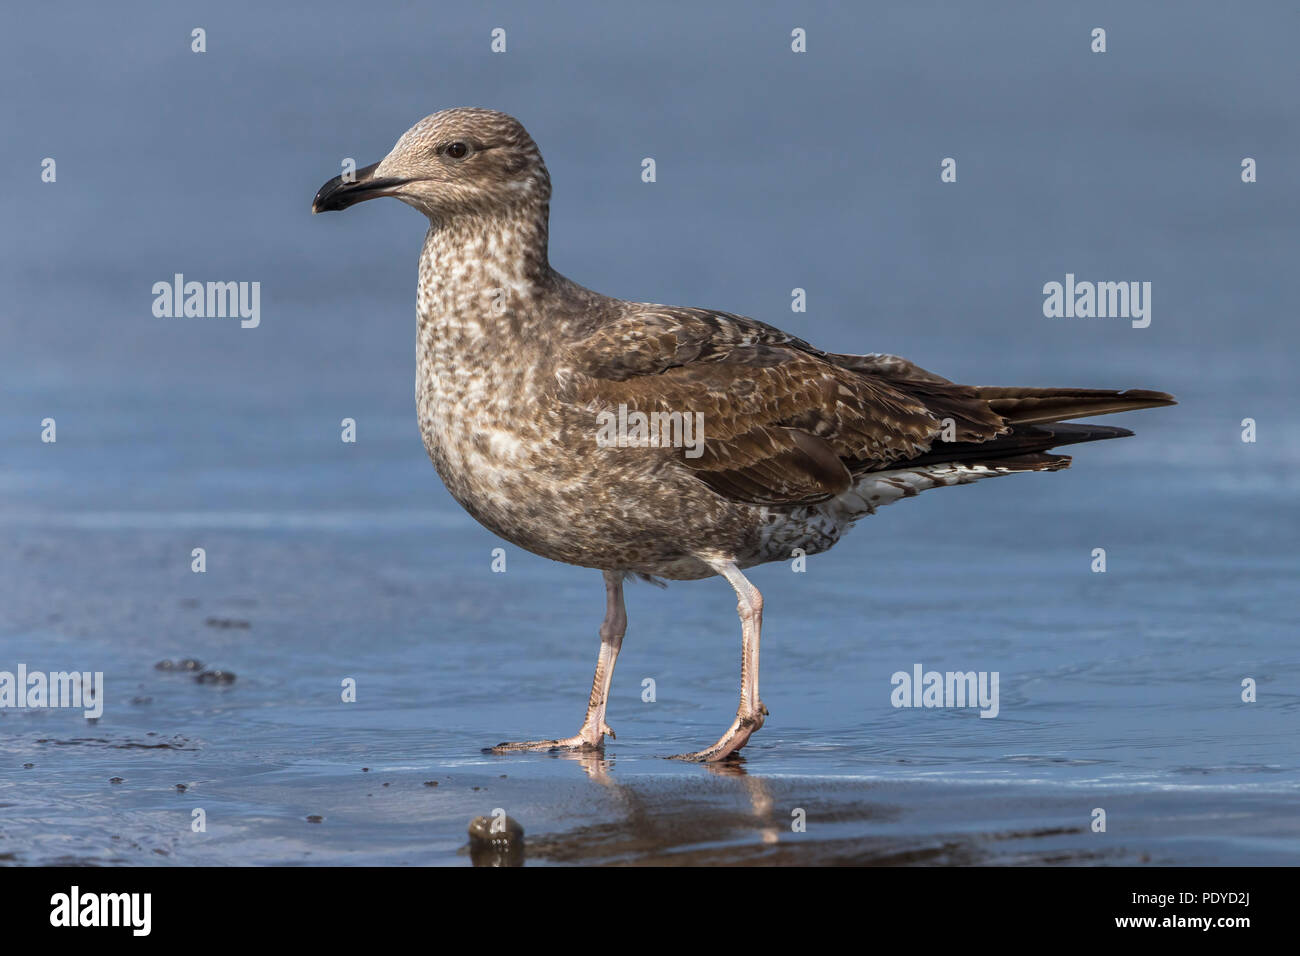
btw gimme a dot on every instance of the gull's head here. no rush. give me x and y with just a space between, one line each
454 163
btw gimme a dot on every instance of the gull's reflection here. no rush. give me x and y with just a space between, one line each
651 822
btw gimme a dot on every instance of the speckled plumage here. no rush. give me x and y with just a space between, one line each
516 364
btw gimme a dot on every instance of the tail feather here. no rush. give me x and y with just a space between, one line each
1035 406
1032 418
1023 441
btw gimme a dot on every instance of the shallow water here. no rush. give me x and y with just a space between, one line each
328 561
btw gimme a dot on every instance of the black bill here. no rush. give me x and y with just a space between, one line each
340 193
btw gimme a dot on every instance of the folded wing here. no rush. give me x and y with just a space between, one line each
787 424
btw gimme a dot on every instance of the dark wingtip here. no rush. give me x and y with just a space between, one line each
1071 433
1147 395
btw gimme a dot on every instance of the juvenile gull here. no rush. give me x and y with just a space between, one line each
518 369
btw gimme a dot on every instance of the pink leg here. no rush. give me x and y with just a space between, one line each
594 728
750 713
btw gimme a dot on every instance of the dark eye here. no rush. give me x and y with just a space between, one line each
457 150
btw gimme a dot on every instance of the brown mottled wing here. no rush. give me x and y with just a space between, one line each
890 366
783 423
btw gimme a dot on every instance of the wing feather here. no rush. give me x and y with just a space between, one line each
784 423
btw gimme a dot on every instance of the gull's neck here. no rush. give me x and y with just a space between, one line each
483 326
475 266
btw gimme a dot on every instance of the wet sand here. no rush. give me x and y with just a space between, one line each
597 811
1129 704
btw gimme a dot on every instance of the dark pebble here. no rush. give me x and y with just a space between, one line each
215 677
502 848
480 828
